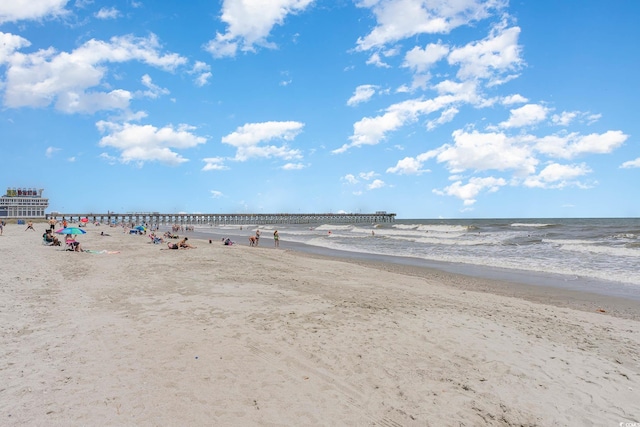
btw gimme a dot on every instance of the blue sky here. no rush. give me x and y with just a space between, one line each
424 108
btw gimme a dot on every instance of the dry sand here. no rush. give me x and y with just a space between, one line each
243 336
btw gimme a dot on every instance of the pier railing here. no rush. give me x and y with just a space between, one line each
227 219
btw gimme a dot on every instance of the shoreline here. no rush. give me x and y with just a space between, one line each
614 298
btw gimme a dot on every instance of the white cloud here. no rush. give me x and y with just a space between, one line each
447 115
350 178
247 139
377 183
154 90
50 151
514 99
216 194
489 58
631 164
17 10
400 19
9 43
203 79
409 166
557 176
565 118
202 71
469 191
249 23
526 115
371 130
146 143
574 144
363 93
71 80
293 166
107 13
367 176
487 151
421 60
376 60
214 164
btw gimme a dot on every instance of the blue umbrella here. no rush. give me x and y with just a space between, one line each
71 230
140 227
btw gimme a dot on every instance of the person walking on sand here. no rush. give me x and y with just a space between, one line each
257 237
1 227
276 239
30 226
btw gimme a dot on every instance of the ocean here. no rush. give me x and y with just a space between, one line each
592 252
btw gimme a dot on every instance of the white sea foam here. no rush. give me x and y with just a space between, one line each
599 249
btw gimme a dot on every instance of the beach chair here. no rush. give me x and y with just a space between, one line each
155 239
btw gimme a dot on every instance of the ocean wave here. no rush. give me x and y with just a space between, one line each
533 225
606 250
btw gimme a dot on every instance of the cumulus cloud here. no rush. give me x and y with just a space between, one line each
556 175
248 140
573 144
397 20
145 143
372 130
9 44
411 165
375 184
293 166
216 194
514 99
489 58
214 164
631 164
526 115
350 178
363 93
18 10
249 23
468 192
71 80
153 91
487 151
202 72
107 13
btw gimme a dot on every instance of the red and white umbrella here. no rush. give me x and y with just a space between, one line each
84 220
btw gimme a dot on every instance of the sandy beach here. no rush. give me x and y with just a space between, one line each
132 334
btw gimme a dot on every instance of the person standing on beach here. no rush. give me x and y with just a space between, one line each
1 227
52 224
276 239
30 226
257 237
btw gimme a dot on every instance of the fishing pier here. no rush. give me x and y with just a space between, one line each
154 218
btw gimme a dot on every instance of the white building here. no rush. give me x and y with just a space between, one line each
23 203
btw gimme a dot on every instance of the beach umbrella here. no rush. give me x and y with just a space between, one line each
71 230
140 227
84 220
